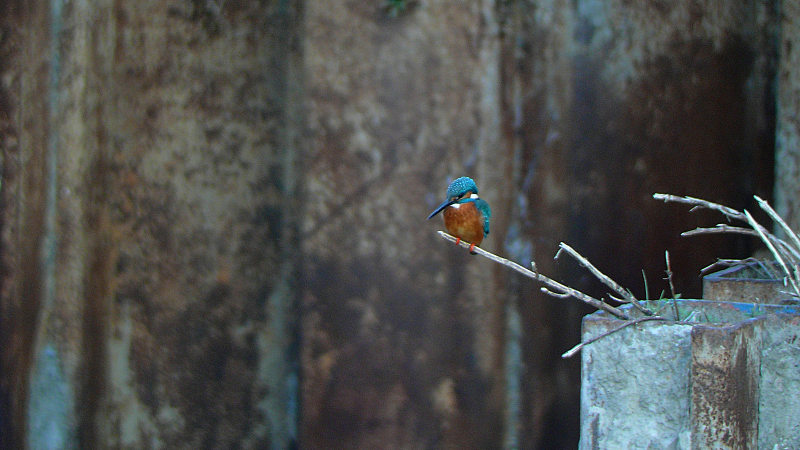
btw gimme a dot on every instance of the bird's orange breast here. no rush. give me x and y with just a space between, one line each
463 220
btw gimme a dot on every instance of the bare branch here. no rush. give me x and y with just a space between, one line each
783 246
669 274
780 249
698 202
763 233
779 220
605 279
720 228
738 262
671 285
560 290
628 323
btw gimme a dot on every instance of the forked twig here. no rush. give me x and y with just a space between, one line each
778 247
553 287
782 245
737 262
763 233
781 250
627 296
779 220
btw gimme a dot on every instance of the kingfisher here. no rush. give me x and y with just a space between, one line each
466 216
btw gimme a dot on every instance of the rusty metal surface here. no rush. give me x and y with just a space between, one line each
735 285
726 361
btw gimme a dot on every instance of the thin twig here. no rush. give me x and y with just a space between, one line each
627 296
780 249
790 251
698 202
779 220
763 233
722 262
555 288
669 274
671 285
720 228
628 323
784 247
766 268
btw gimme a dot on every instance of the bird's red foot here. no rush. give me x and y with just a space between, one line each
458 240
472 249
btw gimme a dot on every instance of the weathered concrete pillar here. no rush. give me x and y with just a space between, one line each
722 383
569 115
616 100
150 205
149 224
403 333
778 412
787 142
633 379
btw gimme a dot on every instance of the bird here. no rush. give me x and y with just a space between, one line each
466 216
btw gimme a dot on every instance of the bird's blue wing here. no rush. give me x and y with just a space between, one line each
484 209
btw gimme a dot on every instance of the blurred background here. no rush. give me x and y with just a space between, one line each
212 213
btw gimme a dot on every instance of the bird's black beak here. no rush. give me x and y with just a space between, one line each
444 205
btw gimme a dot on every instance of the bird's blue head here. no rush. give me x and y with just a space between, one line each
461 186
457 189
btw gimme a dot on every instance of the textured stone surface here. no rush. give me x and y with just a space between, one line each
780 374
401 332
569 116
721 383
787 145
24 173
661 93
150 204
149 217
607 102
632 380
